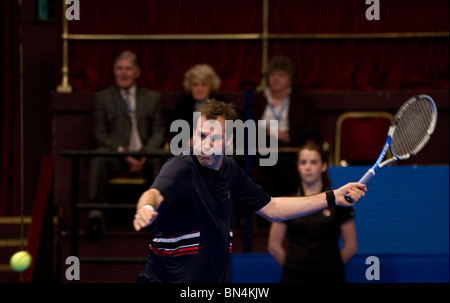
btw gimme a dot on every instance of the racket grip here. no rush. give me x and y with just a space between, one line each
364 180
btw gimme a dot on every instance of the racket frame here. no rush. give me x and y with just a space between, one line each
387 145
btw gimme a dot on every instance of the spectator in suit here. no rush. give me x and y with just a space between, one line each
297 121
127 118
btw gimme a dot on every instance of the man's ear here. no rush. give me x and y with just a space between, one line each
229 145
229 140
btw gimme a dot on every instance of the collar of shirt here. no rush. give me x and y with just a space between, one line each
270 99
277 112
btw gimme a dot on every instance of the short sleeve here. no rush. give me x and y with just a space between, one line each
251 197
169 179
344 214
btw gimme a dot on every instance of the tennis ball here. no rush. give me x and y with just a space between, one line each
20 260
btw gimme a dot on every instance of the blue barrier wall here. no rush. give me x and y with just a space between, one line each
262 268
405 211
403 220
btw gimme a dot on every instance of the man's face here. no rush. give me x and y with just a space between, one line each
125 73
210 142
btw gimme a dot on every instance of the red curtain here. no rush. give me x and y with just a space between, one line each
163 63
168 17
10 111
333 64
364 64
349 16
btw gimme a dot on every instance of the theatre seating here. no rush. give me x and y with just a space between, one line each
360 136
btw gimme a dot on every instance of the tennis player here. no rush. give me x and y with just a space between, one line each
194 197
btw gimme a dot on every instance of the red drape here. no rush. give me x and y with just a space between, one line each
10 111
349 16
333 64
168 17
364 64
163 63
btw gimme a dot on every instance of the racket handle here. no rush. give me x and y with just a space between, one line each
364 180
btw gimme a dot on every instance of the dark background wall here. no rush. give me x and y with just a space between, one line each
338 73
39 49
41 62
28 54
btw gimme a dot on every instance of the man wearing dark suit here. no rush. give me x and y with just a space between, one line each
126 118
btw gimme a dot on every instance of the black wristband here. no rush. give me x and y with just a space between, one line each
331 199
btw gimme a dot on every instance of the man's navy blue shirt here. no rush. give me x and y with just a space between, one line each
191 236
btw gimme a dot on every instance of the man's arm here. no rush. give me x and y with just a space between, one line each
285 208
146 209
99 126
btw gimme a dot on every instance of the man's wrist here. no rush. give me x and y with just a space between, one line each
331 199
149 207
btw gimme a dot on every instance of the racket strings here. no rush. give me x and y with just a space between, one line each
414 124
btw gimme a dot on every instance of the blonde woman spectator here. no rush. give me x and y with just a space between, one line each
201 83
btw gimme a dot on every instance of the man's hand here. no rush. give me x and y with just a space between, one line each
143 218
284 137
355 190
135 165
150 200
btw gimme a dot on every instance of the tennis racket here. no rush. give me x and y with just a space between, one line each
410 131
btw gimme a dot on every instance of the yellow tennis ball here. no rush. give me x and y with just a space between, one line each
20 260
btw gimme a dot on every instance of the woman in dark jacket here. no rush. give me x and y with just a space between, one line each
297 122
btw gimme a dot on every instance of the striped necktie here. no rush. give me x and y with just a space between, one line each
135 143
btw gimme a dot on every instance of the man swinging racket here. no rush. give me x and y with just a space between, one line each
192 201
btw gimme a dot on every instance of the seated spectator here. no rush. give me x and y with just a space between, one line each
297 121
201 83
127 118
